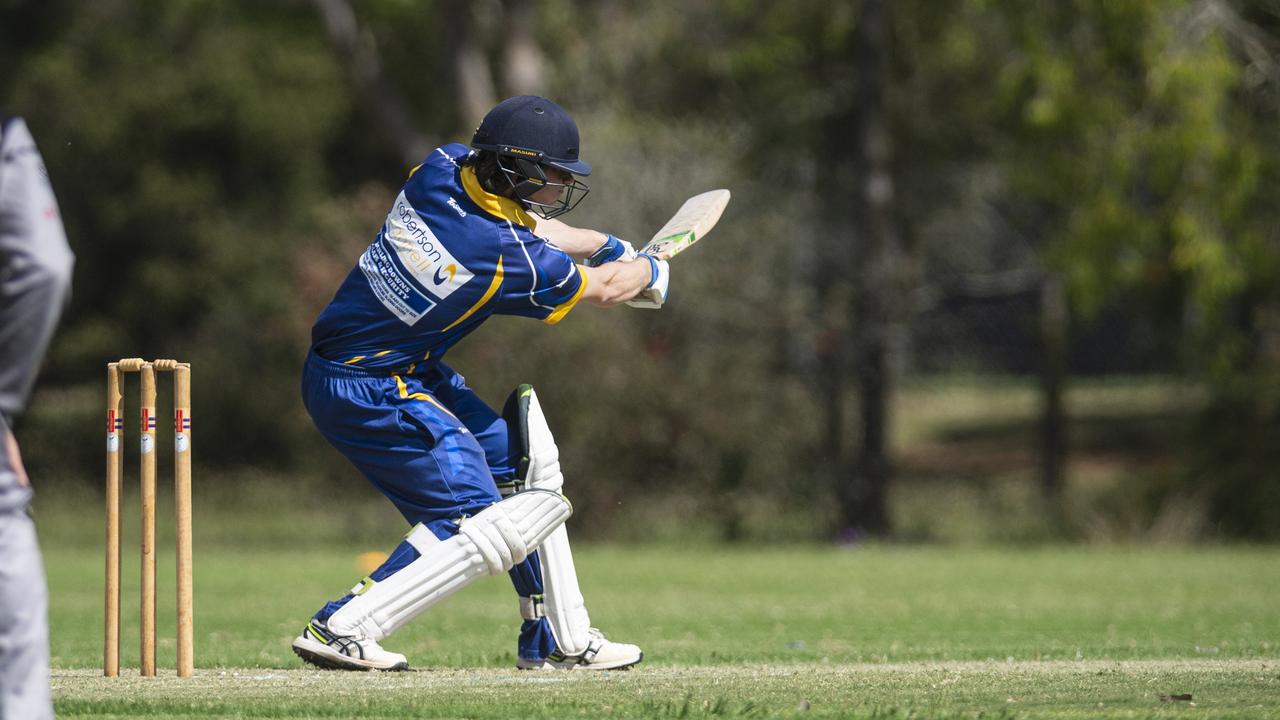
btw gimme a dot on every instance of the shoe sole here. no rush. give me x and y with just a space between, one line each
326 661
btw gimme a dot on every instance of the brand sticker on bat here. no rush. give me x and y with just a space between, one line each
691 223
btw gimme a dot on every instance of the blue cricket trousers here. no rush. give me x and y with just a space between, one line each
433 447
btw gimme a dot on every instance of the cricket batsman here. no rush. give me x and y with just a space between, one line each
472 234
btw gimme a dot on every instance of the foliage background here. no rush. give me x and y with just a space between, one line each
221 164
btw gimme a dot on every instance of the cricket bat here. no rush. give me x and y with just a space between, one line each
691 223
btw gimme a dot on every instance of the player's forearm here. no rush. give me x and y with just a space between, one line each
577 242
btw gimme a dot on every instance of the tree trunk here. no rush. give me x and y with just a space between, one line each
523 63
355 49
832 354
1053 372
473 79
864 504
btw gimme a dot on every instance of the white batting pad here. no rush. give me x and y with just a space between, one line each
489 543
544 456
565 608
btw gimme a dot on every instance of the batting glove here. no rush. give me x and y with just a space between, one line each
655 293
612 249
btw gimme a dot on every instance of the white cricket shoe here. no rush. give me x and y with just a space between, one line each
326 650
601 654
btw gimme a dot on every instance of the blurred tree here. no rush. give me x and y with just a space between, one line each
473 85
878 294
1146 152
186 143
523 62
810 84
219 179
1054 331
357 52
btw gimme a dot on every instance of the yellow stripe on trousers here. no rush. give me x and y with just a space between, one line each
405 394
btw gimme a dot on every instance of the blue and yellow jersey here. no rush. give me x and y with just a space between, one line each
448 256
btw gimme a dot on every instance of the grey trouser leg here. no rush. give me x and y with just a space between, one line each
24 623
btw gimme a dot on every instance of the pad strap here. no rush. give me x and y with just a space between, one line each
594 645
422 539
532 608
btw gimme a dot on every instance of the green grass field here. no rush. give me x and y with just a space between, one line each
955 628
874 632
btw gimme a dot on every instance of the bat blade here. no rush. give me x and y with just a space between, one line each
691 223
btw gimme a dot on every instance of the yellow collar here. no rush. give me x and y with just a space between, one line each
495 205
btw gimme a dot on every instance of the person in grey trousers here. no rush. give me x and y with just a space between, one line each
35 279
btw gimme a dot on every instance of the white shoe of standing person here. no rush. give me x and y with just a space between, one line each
601 654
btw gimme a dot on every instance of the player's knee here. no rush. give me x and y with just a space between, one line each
498 542
505 533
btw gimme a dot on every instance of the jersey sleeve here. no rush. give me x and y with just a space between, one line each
541 281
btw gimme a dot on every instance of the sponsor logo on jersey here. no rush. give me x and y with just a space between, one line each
457 208
408 267
421 252
448 274
387 281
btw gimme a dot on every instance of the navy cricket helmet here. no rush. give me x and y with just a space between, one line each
535 128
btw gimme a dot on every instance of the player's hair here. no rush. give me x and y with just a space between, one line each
489 173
